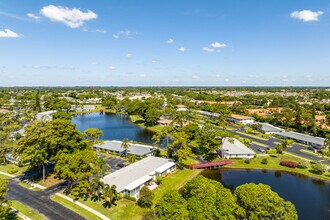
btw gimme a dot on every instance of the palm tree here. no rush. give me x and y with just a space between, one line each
110 194
125 145
104 167
97 186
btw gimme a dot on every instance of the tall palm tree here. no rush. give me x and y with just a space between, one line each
110 194
97 187
125 145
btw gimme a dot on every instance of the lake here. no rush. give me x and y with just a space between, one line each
310 196
114 127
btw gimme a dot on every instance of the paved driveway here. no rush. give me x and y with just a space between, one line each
40 201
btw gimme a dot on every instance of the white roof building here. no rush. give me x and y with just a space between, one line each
269 129
317 142
45 116
233 148
135 149
129 180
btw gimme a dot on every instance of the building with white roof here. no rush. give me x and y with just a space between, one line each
130 179
269 129
233 148
45 116
134 149
241 119
316 142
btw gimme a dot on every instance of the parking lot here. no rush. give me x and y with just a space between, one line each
113 162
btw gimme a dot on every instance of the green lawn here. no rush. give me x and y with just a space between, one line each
274 164
174 182
70 205
253 136
136 119
4 168
28 186
26 210
260 144
125 209
4 176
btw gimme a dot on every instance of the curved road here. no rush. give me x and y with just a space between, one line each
41 202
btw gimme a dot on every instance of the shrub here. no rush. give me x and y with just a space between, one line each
149 215
146 196
289 164
159 180
318 168
303 164
12 170
264 161
271 151
247 161
126 196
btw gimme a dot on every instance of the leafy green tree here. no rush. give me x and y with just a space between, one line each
260 202
5 207
318 168
125 145
181 117
209 199
149 215
179 148
78 165
97 186
110 194
164 133
81 189
279 148
110 102
37 102
62 115
146 196
36 146
93 134
171 207
151 116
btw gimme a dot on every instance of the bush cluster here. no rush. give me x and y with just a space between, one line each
12 170
289 164
126 196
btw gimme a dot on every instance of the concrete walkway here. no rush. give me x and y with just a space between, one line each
7 174
83 206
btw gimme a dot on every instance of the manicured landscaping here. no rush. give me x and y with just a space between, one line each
252 136
7 167
260 144
125 209
2 176
273 163
136 119
26 210
28 186
70 205
174 181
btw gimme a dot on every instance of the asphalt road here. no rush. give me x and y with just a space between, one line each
41 202
113 162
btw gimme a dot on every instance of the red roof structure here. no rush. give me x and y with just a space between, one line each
210 164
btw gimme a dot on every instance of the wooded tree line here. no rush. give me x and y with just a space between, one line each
202 198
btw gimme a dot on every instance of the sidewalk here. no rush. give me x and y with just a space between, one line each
83 206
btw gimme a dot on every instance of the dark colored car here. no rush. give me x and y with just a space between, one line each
121 165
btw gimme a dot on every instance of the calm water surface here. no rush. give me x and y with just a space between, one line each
114 127
310 196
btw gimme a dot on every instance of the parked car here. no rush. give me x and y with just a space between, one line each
261 150
121 165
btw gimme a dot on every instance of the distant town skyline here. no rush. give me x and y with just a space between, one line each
165 43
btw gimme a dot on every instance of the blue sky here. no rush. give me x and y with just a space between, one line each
165 43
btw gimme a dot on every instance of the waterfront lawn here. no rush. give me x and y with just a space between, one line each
274 164
136 119
20 170
26 210
77 209
174 182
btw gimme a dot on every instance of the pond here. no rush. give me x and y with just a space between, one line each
310 196
114 127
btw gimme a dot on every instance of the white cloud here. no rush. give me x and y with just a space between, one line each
218 45
207 49
33 16
154 61
142 75
227 80
170 41
72 17
94 63
306 15
7 33
125 34
112 67
129 55
195 77
95 31
182 49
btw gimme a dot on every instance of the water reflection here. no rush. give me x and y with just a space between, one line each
310 196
